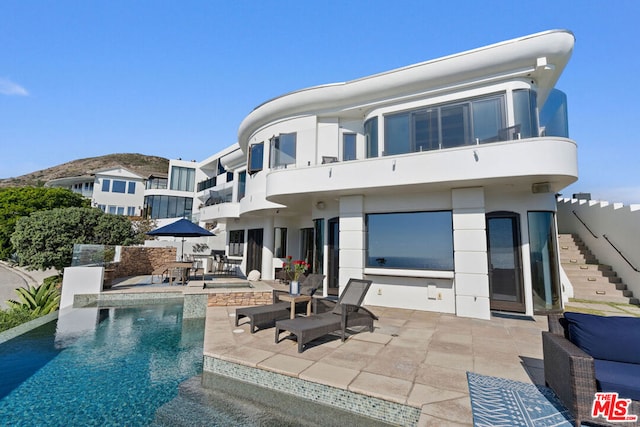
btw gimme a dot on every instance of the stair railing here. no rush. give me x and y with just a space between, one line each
620 253
585 225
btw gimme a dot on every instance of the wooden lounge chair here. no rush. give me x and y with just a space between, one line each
347 312
266 315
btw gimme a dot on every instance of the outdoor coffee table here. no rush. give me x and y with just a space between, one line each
293 299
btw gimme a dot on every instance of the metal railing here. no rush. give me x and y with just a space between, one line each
585 225
620 253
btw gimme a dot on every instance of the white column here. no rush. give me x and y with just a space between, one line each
267 249
351 239
471 277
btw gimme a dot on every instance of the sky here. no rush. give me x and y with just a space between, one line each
175 79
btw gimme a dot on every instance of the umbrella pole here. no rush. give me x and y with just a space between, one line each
182 252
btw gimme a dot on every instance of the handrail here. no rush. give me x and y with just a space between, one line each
585 225
621 254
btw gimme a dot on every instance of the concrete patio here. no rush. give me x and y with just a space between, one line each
414 358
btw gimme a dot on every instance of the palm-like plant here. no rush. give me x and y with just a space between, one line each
40 300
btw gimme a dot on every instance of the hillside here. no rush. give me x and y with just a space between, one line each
139 163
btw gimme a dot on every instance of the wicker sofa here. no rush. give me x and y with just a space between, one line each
585 354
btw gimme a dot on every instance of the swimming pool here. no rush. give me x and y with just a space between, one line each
116 370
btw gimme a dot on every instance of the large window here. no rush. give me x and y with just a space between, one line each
348 146
525 103
157 206
410 240
446 126
256 156
182 179
236 243
371 137
283 150
118 186
545 279
280 242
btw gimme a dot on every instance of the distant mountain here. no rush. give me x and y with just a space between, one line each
139 163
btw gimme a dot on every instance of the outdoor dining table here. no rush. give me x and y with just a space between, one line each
181 267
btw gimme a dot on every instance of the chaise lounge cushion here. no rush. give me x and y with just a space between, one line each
612 338
623 378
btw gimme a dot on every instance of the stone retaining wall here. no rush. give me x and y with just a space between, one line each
142 260
240 298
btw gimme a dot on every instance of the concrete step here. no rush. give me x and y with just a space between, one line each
605 269
609 288
594 276
604 298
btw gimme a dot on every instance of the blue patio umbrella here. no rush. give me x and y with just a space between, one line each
181 228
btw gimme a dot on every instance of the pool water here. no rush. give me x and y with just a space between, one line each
118 371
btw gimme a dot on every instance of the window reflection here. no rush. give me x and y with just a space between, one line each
411 240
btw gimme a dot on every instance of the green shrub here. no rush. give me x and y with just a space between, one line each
40 300
14 317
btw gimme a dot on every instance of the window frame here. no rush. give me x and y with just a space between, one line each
251 168
280 242
236 242
278 154
392 237
349 146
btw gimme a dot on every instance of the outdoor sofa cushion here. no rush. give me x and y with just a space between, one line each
613 338
623 378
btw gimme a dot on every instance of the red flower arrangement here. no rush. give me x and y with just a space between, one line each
298 267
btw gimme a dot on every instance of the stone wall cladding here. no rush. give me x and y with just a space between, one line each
239 298
142 260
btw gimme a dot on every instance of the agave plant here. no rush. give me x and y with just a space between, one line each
40 300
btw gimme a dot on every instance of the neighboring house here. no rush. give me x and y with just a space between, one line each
172 197
437 181
116 190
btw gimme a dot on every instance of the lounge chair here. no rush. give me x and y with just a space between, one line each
262 315
347 312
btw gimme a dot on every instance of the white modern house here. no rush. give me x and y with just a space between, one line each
437 181
115 190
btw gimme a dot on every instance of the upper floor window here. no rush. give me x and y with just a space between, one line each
182 179
553 116
410 240
283 150
525 103
348 146
106 185
118 186
155 183
242 183
256 156
371 136
131 188
445 126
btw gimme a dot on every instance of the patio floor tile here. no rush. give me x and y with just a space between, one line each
392 389
285 364
334 376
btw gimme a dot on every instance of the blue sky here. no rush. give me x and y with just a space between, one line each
175 79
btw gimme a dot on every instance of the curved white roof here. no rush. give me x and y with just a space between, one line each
540 56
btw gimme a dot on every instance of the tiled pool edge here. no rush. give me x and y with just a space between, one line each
27 326
383 410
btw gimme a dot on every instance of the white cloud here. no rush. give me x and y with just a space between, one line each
7 87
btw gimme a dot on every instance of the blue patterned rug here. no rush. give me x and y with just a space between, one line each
502 402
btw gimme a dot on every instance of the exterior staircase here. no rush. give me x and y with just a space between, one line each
590 279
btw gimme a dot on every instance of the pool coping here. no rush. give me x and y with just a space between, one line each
23 328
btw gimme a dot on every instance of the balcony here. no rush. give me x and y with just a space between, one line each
522 162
